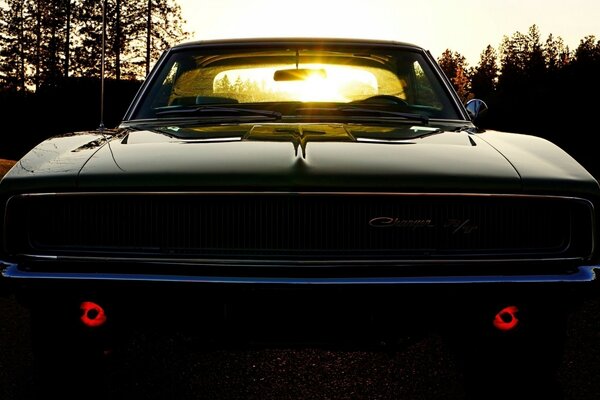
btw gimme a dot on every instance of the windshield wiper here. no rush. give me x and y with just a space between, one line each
361 111
213 111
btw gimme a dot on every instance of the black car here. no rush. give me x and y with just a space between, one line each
330 191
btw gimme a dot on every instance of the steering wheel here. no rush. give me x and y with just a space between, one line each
383 99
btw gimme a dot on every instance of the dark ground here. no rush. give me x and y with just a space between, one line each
155 367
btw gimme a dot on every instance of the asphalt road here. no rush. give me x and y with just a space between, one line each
155 367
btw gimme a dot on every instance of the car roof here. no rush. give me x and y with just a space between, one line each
296 41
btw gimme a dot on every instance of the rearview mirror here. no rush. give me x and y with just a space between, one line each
301 74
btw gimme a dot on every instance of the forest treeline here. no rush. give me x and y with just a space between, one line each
50 68
536 86
44 42
50 62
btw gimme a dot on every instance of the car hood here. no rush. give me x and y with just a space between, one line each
325 157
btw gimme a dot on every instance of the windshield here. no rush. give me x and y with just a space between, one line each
288 79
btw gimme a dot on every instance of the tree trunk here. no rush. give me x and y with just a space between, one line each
67 37
38 44
118 41
148 36
21 61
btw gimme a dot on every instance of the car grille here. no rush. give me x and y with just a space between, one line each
299 226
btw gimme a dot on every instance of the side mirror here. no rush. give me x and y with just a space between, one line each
476 109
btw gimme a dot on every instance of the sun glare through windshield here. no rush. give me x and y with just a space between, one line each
337 84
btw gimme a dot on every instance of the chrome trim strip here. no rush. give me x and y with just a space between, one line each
583 274
287 263
212 192
387 141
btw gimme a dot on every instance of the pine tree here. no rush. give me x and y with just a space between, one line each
164 27
536 64
556 54
52 41
588 51
522 57
583 72
87 42
485 76
223 85
14 40
67 43
455 67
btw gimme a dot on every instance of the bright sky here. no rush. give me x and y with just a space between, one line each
466 26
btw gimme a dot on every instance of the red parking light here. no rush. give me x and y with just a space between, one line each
92 314
506 319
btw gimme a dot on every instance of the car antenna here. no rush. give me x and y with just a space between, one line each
101 127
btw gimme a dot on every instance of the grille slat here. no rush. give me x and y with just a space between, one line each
300 226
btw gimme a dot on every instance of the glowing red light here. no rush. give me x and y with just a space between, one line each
506 319
92 314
